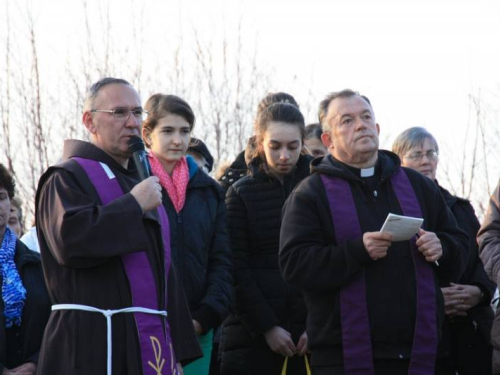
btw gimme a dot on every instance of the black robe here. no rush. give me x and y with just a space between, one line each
81 242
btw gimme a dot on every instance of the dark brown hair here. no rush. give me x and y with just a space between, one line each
7 182
313 131
275 97
271 98
278 112
160 105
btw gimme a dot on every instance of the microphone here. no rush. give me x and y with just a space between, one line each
136 147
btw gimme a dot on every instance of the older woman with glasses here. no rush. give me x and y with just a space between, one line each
465 346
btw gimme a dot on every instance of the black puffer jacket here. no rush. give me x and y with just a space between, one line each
200 248
234 172
22 344
262 299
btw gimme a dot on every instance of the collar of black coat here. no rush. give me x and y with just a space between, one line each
24 255
239 162
258 168
201 180
76 148
449 198
387 165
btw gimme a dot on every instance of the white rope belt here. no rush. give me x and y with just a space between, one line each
108 314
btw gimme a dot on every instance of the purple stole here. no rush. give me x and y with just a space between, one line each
157 353
356 338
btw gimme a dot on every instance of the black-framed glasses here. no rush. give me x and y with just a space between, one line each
417 156
123 114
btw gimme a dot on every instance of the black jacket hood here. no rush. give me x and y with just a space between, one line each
76 148
258 168
388 163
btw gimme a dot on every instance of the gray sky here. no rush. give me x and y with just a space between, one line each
418 61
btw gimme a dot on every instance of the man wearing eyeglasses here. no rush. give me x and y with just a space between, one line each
106 253
374 304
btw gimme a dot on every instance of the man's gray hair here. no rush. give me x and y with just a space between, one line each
325 103
411 138
97 86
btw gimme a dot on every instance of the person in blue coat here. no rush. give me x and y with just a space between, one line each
24 302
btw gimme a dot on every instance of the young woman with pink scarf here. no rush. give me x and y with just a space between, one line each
197 215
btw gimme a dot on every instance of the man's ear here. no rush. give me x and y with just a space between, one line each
326 138
88 121
378 128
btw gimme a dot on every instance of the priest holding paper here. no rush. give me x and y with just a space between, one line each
374 303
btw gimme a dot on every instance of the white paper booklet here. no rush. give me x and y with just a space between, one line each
402 228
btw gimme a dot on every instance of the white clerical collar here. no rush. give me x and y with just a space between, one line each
367 172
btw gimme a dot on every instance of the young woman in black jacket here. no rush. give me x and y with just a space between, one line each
268 321
197 217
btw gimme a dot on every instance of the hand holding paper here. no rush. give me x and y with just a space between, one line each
376 244
430 246
402 228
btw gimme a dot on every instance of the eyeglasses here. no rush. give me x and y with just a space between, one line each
417 156
123 114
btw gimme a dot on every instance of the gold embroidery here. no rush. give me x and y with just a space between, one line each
160 362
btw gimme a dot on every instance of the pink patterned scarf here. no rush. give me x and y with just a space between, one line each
176 185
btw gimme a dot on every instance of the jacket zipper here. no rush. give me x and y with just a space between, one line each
288 296
180 241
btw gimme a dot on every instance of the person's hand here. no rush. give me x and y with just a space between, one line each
180 371
458 299
429 245
148 193
198 329
454 301
28 368
302 344
476 295
376 244
280 341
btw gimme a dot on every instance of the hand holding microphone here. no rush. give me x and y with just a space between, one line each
148 191
138 151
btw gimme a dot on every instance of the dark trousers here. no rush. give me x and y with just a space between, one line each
382 367
465 347
471 353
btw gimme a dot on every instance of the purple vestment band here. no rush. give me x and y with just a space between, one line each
154 335
356 338
425 340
